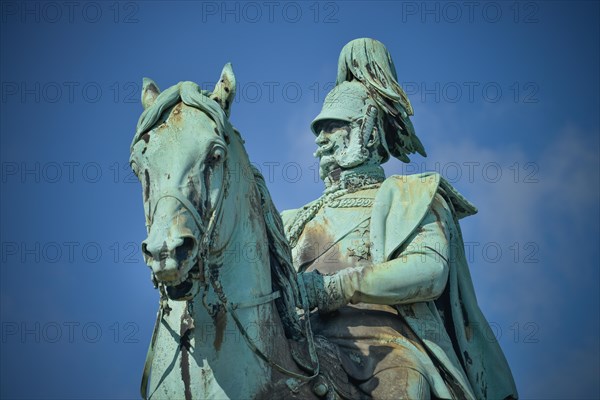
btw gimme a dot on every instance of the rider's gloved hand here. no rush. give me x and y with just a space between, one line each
325 292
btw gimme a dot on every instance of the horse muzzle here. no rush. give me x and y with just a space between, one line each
171 260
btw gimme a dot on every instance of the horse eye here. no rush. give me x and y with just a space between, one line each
217 155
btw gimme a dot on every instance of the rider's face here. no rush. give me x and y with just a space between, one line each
333 138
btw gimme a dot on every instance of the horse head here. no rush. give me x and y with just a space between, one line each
179 154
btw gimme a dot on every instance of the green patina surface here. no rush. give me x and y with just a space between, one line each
380 261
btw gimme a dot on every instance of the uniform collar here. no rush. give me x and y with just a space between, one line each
353 179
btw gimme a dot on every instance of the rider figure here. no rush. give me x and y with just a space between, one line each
383 259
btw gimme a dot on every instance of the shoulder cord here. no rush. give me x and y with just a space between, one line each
308 213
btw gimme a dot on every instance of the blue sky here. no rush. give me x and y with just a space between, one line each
506 99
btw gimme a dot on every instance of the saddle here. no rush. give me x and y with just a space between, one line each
333 381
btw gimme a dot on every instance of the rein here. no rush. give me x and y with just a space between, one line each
231 309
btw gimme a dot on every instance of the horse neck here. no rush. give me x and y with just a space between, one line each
241 272
243 261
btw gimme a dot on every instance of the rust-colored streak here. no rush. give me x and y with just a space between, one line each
146 185
315 237
219 316
321 250
176 115
195 194
185 331
220 320
438 218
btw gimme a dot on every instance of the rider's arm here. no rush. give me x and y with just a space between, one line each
419 271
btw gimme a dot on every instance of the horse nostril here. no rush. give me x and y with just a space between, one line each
147 253
185 249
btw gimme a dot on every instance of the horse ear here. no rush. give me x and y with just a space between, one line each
149 92
224 91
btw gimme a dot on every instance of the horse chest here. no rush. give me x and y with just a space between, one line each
336 238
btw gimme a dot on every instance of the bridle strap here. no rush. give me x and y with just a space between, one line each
258 301
150 357
150 353
234 306
185 203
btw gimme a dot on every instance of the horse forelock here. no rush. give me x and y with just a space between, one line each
190 94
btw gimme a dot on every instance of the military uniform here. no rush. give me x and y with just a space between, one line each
406 330
383 259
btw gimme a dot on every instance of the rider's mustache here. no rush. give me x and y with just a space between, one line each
323 149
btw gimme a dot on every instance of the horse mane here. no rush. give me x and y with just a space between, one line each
283 274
